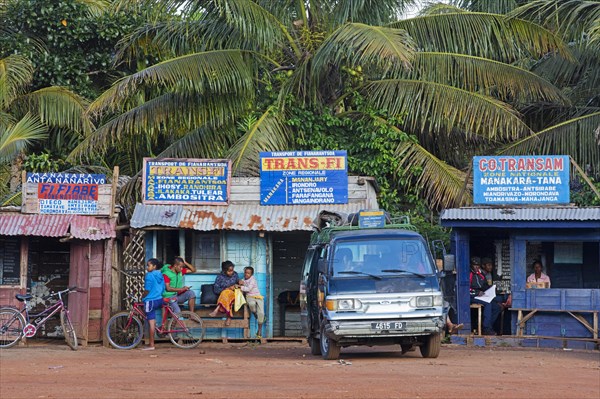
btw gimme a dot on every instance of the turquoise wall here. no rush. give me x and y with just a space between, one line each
243 249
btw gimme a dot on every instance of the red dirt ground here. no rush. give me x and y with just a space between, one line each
287 370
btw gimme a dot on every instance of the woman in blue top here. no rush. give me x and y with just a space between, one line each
225 285
154 286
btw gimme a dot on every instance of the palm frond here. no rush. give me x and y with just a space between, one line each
496 6
433 107
269 133
358 44
222 72
577 137
251 21
204 142
477 74
96 7
15 73
170 114
595 34
570 18
440 8
482 34
57 106
583 77
17 137
439 183
367 11
6 119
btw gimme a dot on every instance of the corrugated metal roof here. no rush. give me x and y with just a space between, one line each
235 216
91 228
79 226
559 213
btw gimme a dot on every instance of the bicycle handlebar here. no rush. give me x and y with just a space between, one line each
70 289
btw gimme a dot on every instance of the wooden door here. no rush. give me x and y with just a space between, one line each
79 275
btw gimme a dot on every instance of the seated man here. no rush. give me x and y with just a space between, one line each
175 292
478 285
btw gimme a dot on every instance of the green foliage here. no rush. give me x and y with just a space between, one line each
67 45
583 195
43 162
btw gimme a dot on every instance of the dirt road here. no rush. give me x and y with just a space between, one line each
286 370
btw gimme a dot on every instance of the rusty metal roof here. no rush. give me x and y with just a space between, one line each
244 217
555 213
78 226
245 213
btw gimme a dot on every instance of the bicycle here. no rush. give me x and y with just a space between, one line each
16 324
125 330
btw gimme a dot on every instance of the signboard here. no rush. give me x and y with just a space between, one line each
303 177
535 179
371 219
64 193
186 181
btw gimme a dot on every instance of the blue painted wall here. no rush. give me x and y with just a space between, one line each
243 249
542 324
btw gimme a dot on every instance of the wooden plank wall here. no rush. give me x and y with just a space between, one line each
79 276
96 278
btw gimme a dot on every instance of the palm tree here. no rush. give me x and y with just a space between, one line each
572 128
451 75
26 117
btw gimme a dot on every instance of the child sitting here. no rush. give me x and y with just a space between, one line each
254 299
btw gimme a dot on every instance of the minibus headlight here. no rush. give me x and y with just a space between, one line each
426 301
342 304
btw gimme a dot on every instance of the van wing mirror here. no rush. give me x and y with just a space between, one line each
322 266
449 263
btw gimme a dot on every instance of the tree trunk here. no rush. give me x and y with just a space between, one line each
15 172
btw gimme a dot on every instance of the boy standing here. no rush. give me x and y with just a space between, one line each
154 285
254 299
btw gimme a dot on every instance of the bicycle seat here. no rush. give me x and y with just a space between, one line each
25 297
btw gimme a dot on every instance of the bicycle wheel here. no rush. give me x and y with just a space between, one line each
124 331
68 330
11 327
186 332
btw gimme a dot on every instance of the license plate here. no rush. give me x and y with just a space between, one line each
388 325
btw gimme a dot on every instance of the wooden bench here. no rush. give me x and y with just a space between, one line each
523 315
240 319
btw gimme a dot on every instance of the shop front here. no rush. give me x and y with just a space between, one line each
40 254
564 240
271 239
63 235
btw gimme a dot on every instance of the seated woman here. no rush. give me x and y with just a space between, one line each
225 285
538 276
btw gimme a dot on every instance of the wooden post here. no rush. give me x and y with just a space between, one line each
113 191
23 189
106 287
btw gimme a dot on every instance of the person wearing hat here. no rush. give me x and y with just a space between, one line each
477 286
487 268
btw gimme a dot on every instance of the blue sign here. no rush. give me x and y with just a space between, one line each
371 219
65 178
535 179
186 181
303 177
